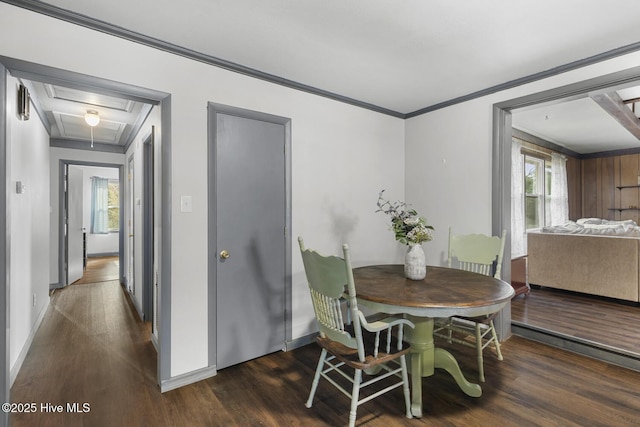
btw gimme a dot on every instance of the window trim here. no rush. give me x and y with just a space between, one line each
116 182
541 194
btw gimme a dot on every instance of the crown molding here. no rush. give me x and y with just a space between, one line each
104 27
114 30
633 47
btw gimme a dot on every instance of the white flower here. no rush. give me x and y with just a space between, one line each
412 220
407 226
420 234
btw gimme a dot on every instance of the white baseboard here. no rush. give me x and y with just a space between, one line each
27 345
300 342
210 371
188 378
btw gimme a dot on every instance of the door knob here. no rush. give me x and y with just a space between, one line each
224 254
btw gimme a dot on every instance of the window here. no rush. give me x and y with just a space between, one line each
114 205
539 192
537 188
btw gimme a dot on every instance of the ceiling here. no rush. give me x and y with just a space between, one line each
582 125
401 57
62 109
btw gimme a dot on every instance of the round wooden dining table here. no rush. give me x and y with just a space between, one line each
444 292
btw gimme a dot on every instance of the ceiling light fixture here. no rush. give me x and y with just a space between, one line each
92 118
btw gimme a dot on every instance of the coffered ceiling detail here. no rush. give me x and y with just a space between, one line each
62 110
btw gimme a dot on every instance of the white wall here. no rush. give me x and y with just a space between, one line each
97 244
28 216
56 156
449 166
341 155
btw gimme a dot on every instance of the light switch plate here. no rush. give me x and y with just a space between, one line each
186 204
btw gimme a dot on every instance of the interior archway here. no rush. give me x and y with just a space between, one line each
502 132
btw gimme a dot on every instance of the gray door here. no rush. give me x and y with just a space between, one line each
75 243
250 255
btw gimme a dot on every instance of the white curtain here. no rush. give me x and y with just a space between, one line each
559 203
99 205
518 235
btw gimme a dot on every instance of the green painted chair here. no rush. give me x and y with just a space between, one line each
481 254
356 347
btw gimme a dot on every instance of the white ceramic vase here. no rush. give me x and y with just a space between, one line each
415 263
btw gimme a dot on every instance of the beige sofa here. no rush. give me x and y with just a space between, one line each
593 264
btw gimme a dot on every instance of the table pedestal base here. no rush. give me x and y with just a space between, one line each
425 358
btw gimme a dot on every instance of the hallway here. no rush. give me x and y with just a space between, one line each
90 345
93 351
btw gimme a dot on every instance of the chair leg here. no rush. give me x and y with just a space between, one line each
355 394
405 386
316 378
495 340
479 350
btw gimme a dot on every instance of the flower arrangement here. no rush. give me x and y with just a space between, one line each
408 226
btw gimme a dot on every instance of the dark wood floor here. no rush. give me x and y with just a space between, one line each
92 348
100 269
611 323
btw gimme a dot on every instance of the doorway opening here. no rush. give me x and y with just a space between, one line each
25 70
501 203
79 236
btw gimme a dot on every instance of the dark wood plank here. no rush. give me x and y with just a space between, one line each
100 269
609 322
629 167
589 188
574 186
607 188
92 348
